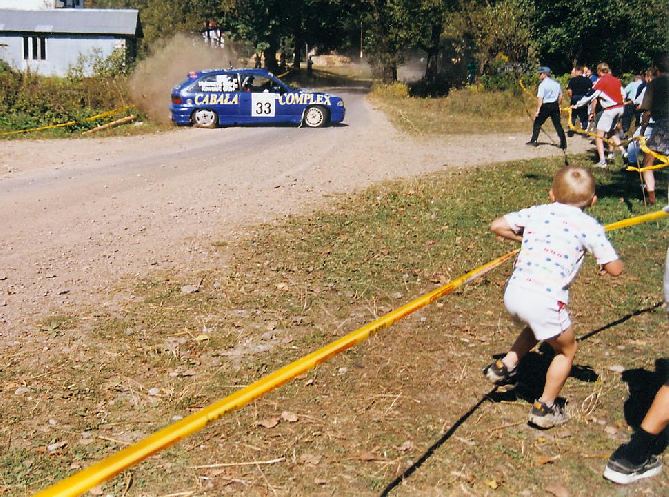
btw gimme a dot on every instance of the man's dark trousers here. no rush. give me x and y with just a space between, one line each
580 112
551 110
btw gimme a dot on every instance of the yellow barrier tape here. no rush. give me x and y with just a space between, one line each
585 132
68 123
664 160
112 465
642 141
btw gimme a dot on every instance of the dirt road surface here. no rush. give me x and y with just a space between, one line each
77 215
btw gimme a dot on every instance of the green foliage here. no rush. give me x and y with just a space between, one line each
29 101
495 36
96 65
628 34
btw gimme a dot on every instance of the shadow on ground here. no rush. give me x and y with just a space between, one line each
531 377
642 386
435 446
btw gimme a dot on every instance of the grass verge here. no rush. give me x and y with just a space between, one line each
410 402
466 110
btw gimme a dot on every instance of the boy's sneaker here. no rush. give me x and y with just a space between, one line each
620 470
546 417
602 164
499 374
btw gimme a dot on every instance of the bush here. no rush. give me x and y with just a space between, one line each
29 101
391 91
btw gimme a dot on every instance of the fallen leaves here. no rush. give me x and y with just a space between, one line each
290 417
543 459
273 421
310 459
269 422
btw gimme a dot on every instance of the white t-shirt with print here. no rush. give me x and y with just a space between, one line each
555 239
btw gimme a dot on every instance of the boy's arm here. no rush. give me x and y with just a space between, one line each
502 228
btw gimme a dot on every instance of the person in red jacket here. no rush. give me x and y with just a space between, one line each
609 90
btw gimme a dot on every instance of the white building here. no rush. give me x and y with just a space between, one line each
49 41
41 4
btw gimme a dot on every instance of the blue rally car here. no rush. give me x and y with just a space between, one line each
243 96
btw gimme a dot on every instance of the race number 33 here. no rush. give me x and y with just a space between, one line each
263 105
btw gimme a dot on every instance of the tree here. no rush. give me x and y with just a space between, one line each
492 32
627 34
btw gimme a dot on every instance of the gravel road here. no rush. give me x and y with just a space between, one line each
77 215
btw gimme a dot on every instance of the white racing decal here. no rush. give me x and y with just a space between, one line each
304 99
229 84
223 83
263 104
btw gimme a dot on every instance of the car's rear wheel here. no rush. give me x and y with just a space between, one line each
204 118
316 117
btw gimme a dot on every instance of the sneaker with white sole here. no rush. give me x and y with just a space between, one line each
546 417
620 470
601 164
499 374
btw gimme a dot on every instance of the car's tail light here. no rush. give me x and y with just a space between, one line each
176 99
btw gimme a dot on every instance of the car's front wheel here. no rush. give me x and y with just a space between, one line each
204 118
316 117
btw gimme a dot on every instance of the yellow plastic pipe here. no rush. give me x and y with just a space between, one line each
112 465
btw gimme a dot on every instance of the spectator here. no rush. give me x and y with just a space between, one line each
609 91
587 72
634 152
629 94
655 105
549 96
555 238
577 87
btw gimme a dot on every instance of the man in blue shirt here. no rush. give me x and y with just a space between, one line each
549 96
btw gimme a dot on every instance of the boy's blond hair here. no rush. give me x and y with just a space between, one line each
574 186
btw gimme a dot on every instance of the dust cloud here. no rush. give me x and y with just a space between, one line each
154 77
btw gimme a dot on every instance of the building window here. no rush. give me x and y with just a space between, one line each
42 46
34 47
68 4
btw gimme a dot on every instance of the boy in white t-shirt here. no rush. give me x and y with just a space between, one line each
555 238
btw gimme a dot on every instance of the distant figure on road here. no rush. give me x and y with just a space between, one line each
310 66
554 239
549 96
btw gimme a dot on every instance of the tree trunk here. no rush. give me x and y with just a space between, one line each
432 67
298 51
389 73
270 58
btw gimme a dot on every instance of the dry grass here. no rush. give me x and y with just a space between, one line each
466 110
79 387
